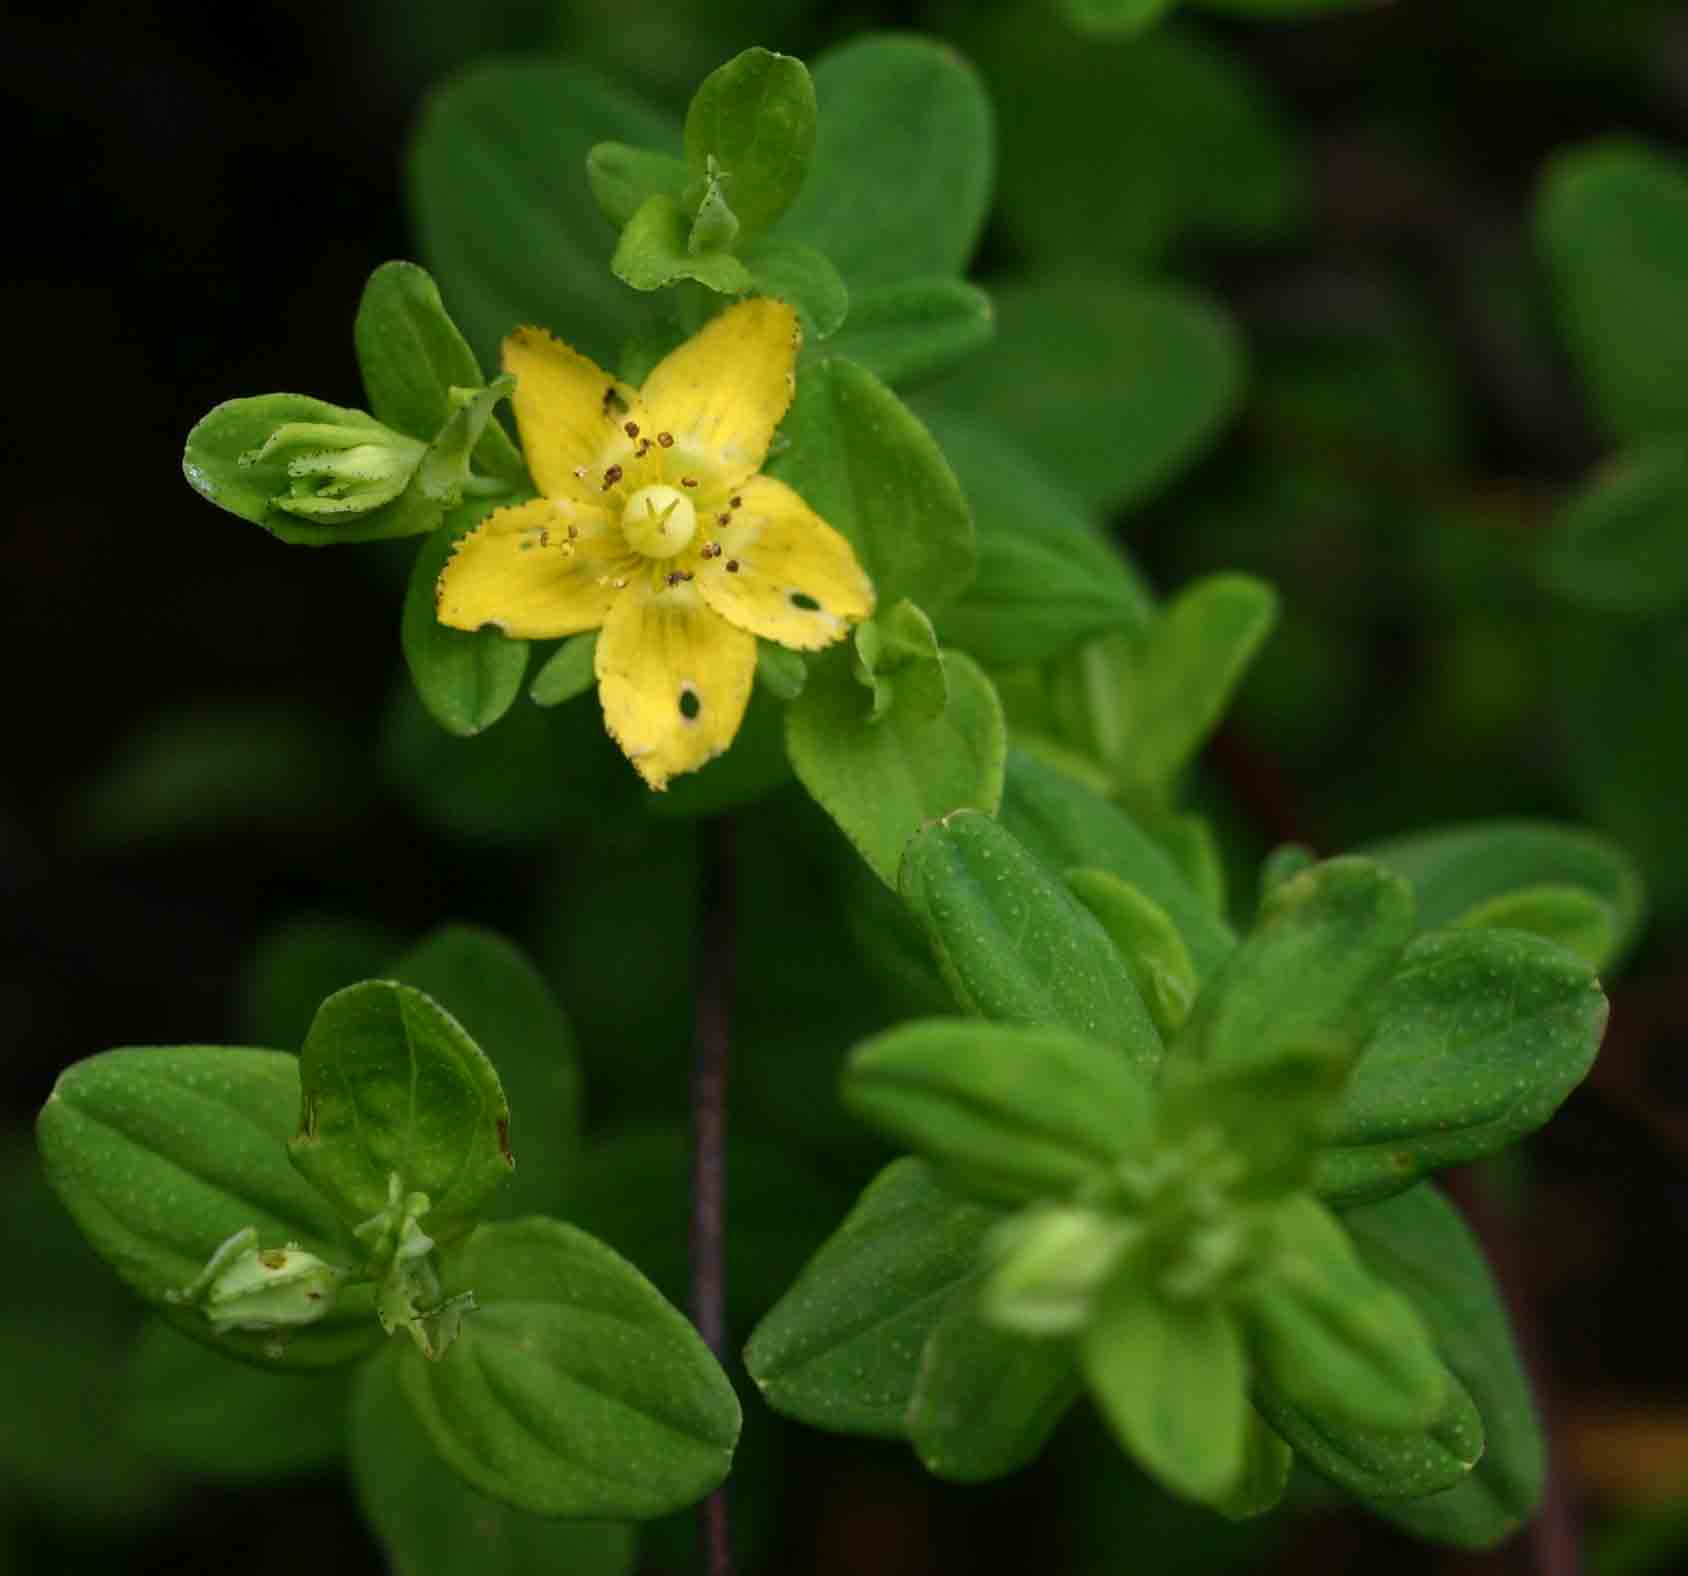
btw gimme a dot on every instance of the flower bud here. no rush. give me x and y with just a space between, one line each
1052 1261
245 1287
338 470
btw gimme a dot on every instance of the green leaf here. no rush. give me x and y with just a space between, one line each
1156 370
898 659
1612 224
1417 1243
1013 945
865 464
1384 1464
1569 915
501 999
1331 1340
986 1400
1013 1113
1064 824
391 1083
1267 1461
842 1349
1307 978
908 331
569 671
1622 543
1147 941
574 1388
467 679
1114 18
803 277
1204 152
1481 1034
432 1523
163 1153
219 1419
755 118
882 780
655 250
1189 664
1172 1381
294 964
222 463
623 177
502 203
412 356
1456 868
894 195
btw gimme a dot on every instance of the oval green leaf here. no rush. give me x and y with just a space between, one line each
842 1349
574 1388
1013 944
391 1083
163 1153
913 329
1622 543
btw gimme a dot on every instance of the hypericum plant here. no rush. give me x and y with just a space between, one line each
1180 1169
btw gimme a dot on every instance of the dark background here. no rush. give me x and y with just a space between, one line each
197 195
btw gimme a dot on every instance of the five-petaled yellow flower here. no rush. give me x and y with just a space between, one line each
655 526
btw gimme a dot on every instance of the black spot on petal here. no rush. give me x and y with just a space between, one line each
802 599
690 704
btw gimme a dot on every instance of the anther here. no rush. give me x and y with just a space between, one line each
631 429
732 566
666 439
612 474
737 503
688 481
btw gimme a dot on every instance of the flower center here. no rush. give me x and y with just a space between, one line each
659 521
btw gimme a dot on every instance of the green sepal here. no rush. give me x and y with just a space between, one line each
574 1388
431 1522
1417 1243
1306 979
781 671
864 462
986 1399
1013 944
161 1154
392 1085
1147 940
1456 868
230 460
467 679
412 357
655 250
910 331
898 659
881 779
569 671
1010 1113
841 1350
1481 1034
1171 1378
751 124
1331 1340
1065 824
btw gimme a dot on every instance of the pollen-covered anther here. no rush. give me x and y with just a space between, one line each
631 428
659 521
612 474
666 439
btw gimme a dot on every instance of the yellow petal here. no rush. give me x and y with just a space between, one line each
722 393
674 679
574 419
783 572
521 571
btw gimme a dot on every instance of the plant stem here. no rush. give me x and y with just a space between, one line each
712 1025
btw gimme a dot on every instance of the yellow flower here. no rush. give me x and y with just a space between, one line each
655 527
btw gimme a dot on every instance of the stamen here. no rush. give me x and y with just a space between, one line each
631 429
732 566
666 439
612 474
688 481
737 503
